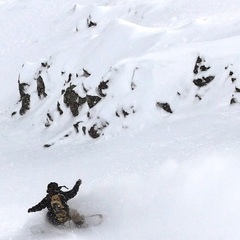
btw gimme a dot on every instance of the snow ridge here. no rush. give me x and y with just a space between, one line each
110 71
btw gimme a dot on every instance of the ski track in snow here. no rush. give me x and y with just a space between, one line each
154 175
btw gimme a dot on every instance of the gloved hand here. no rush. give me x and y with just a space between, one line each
30 210
79 182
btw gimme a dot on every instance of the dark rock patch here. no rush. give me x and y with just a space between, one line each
165 106
201 82
24 98
48 120
45 65
73 100
203 68
86 74
103 85
96 131
48 145
84 129
199 66
125 112
93 132
197 96
41 88
196 67
76 126
92 100
90 23
59 108
237 89
233 100
133 85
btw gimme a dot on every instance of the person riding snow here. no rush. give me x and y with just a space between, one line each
56 203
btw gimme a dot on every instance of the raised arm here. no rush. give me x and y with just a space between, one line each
73 192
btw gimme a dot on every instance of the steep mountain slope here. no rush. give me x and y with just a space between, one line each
139 99
100 69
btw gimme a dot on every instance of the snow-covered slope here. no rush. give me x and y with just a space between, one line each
139 99
99 69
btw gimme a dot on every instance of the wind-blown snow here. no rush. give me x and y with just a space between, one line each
152 174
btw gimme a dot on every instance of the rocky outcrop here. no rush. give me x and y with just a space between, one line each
82 99
199 68
165 106
24 98
73 100
41 88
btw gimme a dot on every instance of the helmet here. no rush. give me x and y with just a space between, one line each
52 187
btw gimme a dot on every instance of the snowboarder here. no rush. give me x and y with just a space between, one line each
56 203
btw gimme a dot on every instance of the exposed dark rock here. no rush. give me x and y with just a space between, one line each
237 89
95 131
201 82
24 98
88 115
199 67
230 73
196 67
81 100
76 126
47 123
21 87
102 86
84 88
203 68
13 113
125 113
45 65
233 100
48 120
84 130
73 100
233 79
199 97
165 106
86 74
41 88
69 77
133 85
199 60
195 70
59 108
50 117
48 145
90 23
92 100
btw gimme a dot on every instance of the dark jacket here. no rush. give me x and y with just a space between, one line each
46 202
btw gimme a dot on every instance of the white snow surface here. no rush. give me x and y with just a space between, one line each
152 174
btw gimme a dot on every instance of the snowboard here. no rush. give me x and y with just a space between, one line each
89 221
